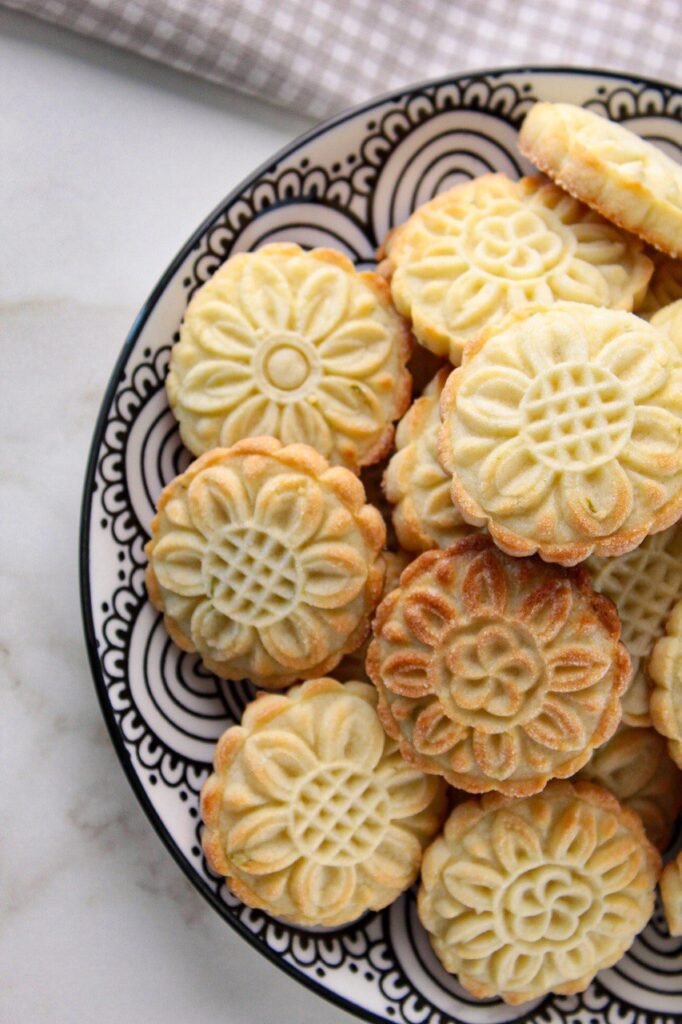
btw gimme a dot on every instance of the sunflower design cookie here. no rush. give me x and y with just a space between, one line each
472 254
624 177
496 672
644 585
664 287
415 482
563 432
293 345
311 813
525 897
635 766
665 668
670 884
266 561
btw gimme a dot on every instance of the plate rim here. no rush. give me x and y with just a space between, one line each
148 306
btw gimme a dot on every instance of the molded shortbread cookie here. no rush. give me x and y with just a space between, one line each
266 561
614 171
664 287
635 766
353 666
644 585
311 813
465 259
525 897
496 672
563 432
669 320
295 345
665 669
670 884
415 482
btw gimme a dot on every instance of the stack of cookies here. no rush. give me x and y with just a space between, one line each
467 611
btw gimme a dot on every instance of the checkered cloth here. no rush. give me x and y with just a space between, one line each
318 56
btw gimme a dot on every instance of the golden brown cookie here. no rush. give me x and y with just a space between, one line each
635 766
644 585
665 669
563 432
293 345
266 561
670 884
311 813
622 176
472 254
496 672
415 482
525 897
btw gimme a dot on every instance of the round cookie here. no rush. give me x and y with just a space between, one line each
496 672
415 482
670 884
665 669
644 585
472 254
525 897
635 766
311 813
664 287
266 561
623 177
293 345
563 432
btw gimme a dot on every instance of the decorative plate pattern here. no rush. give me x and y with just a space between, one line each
343 185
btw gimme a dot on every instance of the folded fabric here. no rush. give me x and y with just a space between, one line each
318 57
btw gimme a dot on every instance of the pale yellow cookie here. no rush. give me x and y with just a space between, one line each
644 585
617 173
311 813
472 254
496 672
670 884
353 666
664 287
665 669
415 482
266 561
635 766
563 432
525 897
669 320
294 345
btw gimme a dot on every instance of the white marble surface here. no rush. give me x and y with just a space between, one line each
108 163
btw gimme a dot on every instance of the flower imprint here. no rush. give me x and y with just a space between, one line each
415 482
491 245
525 897
494 672
293 345
311 813
665 286
563 432
266 561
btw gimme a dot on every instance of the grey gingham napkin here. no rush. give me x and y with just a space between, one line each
318 56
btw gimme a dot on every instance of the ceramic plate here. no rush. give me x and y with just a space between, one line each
344 184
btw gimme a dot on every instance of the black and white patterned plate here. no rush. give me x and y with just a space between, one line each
344 184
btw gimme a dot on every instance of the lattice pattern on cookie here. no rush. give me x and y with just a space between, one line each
339 815
577 416
254 578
